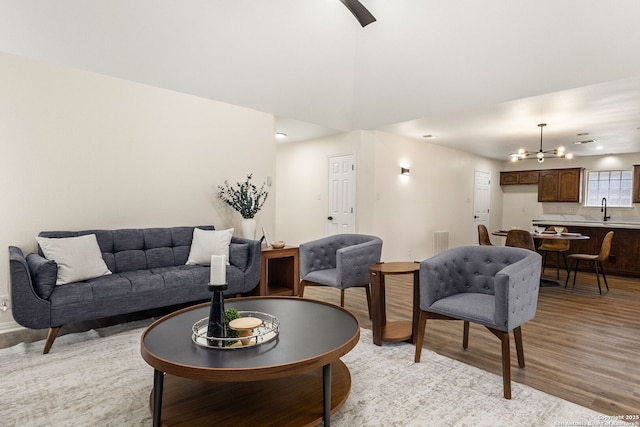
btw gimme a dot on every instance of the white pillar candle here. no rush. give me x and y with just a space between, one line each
218 270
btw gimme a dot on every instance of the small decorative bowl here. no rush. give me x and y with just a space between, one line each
277 245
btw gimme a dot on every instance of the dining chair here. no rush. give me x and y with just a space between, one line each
341 261
493 286
520 239
483 236
557 246
597 259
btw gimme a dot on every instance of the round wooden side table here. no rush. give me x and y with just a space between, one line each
401 330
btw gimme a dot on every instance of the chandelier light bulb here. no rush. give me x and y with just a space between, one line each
540 159
540 155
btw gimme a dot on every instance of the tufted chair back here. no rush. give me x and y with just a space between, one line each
494 286
341 261
509 276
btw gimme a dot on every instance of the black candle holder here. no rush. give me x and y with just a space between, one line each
217 327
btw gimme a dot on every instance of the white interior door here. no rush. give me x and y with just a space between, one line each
481 200
342 195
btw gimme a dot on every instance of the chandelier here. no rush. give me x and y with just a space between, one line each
558 152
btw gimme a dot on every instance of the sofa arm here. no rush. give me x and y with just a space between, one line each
28 309
252 272
353 262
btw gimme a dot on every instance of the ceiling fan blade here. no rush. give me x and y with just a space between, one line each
361 13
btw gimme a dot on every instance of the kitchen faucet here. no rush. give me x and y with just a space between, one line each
603 208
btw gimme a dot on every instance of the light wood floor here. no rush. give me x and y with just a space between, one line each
581 346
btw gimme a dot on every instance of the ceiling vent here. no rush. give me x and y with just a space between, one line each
586 141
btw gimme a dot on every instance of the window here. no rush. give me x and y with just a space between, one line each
616 186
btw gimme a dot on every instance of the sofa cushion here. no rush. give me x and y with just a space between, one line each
130 260
209 242
44 273
78 258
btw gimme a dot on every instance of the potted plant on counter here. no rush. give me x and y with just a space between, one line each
247 199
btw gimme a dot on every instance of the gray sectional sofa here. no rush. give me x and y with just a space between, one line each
148 271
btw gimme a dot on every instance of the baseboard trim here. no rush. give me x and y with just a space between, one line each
11 326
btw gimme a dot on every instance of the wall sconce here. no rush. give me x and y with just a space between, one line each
405 171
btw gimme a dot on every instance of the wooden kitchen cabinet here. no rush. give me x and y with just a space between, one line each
635 196
519 177
560 185
509 178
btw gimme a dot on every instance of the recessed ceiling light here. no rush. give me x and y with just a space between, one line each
281 135
599 147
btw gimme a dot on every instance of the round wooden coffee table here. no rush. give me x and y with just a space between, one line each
294 379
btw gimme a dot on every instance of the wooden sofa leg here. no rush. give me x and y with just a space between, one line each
51 337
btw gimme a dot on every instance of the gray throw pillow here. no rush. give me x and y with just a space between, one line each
239 255
44 273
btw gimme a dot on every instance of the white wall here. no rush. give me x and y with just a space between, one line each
521 201
82 151
403 211
303 187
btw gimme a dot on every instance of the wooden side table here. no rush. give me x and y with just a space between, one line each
279 273
401 330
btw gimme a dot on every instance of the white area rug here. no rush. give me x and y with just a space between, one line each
98 378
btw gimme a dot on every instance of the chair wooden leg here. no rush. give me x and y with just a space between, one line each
51 336
506 361
517 334
341 297
301 289
368 291
422 324
465 335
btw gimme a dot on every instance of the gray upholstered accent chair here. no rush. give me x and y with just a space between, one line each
341 261
493 286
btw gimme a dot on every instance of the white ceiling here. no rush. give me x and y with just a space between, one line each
479 76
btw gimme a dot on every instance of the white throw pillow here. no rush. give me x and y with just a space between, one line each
78 258
209 242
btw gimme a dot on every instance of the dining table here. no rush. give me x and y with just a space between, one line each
547 235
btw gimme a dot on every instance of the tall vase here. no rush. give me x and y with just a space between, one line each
248 227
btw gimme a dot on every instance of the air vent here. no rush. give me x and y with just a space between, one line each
586 141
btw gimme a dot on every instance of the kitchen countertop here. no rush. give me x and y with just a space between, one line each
585 221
